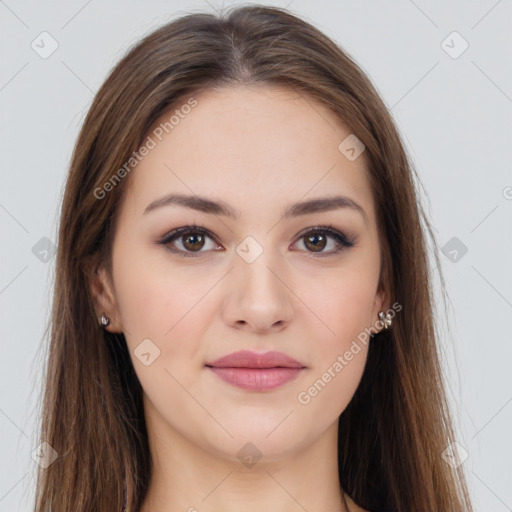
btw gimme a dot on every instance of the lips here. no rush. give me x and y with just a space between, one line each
248 359
256 372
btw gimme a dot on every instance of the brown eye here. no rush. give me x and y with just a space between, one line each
189 241
316 242
320 238
193 242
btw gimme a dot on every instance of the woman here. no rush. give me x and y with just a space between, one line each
243 313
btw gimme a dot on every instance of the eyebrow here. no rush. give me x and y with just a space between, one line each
212 207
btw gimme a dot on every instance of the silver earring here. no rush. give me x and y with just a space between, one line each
104 321
386 319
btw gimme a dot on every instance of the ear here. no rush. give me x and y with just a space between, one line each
381 302
104 299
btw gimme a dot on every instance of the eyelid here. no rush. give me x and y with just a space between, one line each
175 234
343 241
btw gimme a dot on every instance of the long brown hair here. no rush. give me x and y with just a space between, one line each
393 432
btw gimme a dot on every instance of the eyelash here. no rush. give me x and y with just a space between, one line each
341 239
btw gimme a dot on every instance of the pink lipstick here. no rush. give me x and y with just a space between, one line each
255 371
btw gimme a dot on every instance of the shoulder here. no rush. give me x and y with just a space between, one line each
353 506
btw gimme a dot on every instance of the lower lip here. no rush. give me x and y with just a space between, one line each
257 379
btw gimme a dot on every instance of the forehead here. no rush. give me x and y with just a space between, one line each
253 147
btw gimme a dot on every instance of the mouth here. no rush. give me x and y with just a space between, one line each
257 379
255 371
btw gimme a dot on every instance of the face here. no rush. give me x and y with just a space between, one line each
243 275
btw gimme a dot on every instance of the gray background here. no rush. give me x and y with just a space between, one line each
453 112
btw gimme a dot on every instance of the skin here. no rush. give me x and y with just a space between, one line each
258 149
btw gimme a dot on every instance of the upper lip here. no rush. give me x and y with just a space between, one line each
248 359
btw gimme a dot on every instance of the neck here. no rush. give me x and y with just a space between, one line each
193 478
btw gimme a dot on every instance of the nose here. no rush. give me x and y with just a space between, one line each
258 298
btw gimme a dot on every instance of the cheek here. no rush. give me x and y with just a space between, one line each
154 298
339 358
162 315
344 305
173 305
